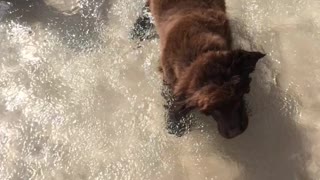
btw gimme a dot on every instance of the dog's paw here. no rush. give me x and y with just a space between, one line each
178 124
177 128
143 27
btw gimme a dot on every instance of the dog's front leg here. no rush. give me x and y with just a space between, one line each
176 114
143 28
177 121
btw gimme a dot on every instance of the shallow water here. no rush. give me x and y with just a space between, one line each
80 100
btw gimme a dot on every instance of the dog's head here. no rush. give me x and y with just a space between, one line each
215 85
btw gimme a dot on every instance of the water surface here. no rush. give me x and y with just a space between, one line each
80 100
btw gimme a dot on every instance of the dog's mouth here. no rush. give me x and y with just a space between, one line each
231 123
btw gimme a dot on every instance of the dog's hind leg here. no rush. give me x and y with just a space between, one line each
176 115
143 28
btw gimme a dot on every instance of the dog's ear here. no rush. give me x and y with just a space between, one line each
245 60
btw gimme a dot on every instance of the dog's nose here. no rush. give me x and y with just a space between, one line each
233 133
236 130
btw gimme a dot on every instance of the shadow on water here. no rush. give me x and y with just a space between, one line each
273 146
79 29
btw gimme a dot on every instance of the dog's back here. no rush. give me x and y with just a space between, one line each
188 28
162 7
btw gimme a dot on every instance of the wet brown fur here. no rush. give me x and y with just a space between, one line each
197 60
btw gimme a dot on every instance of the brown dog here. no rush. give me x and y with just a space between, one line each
199 66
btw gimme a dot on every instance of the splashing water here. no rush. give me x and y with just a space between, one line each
80 100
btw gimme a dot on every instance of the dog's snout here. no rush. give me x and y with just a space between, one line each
231 123
231 133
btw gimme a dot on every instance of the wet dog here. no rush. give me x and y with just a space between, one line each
200 69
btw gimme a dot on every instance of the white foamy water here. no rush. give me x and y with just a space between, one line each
80 100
